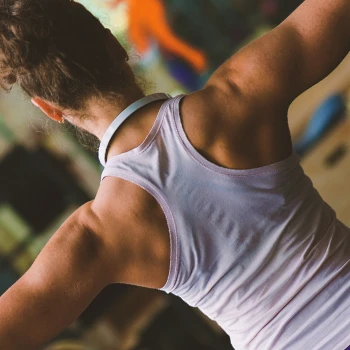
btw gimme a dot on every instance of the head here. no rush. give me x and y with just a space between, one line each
61 56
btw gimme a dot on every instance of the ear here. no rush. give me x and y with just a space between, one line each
51 111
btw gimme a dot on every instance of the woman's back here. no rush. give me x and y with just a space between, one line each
257 250
233 233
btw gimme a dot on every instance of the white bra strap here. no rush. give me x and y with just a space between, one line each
120 119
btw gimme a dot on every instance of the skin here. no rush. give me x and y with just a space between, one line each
239 120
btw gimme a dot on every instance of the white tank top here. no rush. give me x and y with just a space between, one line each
256 250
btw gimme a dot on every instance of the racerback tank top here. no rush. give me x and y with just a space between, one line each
256 250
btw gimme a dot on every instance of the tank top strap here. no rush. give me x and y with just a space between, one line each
121 118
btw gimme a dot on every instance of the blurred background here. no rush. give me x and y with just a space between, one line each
174 46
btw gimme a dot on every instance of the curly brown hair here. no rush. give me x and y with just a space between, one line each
57 50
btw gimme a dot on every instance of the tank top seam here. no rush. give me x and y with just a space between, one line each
284 164
170 284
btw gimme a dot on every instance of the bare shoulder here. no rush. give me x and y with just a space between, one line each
67 275
135 232
77 239
244 122
78 246
228 127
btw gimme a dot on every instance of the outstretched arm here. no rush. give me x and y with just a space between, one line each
288 60
244 121
67 275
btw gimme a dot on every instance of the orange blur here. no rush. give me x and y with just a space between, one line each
147 18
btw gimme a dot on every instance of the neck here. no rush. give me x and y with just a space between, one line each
100 114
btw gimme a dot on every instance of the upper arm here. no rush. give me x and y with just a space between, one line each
247 99
273 70
67 275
